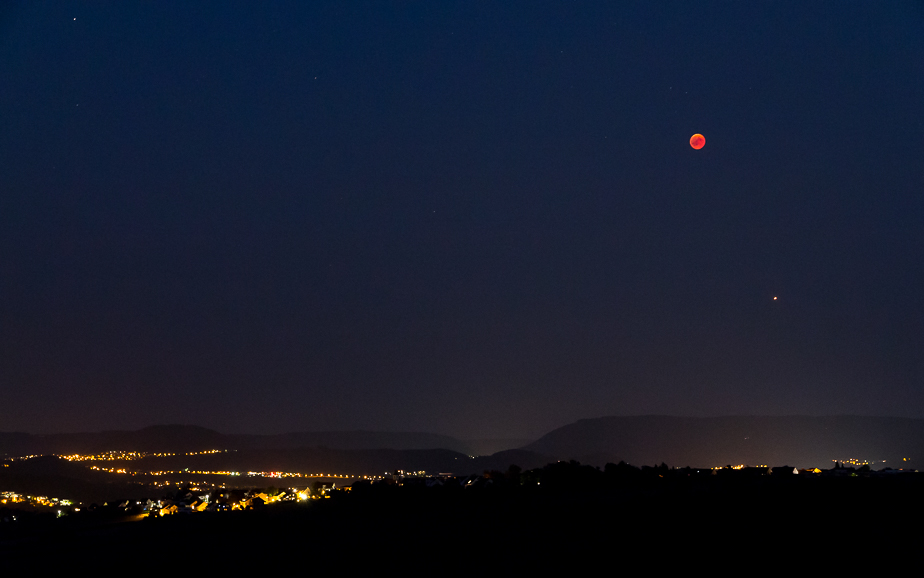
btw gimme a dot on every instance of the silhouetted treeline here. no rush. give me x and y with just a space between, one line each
564 512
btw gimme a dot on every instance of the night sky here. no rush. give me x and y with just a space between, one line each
481 219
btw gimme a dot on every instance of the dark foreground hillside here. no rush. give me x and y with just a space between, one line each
564 514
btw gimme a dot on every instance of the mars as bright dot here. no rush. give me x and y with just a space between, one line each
697 141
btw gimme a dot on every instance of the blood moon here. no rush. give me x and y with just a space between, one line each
697 141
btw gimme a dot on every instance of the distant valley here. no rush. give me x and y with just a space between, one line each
127 463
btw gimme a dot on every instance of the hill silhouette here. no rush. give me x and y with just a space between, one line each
803 441
190 438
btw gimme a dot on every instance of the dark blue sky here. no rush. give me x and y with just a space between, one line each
479 219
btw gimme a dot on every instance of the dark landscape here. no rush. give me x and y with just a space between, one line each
68 487
487 508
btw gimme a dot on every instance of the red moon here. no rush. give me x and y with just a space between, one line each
697 141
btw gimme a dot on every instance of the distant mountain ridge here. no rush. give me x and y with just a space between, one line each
187 438
803 441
